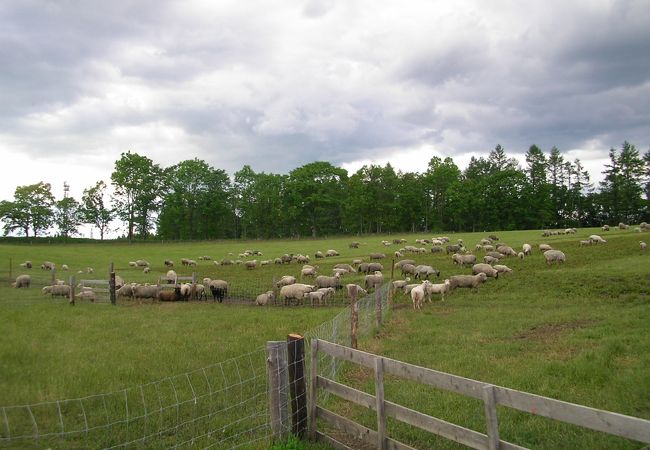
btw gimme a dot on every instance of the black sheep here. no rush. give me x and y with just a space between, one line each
218 293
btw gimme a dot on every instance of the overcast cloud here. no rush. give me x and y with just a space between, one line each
278 84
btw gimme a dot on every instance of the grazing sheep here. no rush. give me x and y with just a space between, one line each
486 269
133 264
265 298
399 284
205 258
350 287
219 290
506 250
408 269
319 254
466 281
527 249
22 281
486 241
438 288
419 294
339 272
552 256
436 249
141 263
374 280
331 253
377 255
461 260
356 262
456 248
308 272
328 293
496 255
315 296
286 280
605 228
171 296
623 226
397 254
286 258
295 292
61 290
347 267
323 281
584 242
643 245
354 244
594 238
169 263
493 237
424 271
226 262
409 287
544 247
125 291
502 269
48 265
399 264
250 265
199 292
302 259
520 255
64 267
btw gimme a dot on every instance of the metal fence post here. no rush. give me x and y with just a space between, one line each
276 368
72 296
111 288
354 317
297 389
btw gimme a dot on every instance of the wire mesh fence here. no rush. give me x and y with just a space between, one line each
223 405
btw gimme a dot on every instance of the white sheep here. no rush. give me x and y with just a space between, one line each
314 296
133 264
86 294
438 288
250 265
286 280
594 238
374 280
323 281
520 255
331 253
399 284
461 260
527 249
146 270
64 267
486 269
544 247
502 269
361 292
643 245
419 294
584 242
22 281
308 272
295 292
466 281
552 256
265 298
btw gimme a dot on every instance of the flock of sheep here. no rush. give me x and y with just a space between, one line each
322 287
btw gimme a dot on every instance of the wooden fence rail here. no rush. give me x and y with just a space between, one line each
595 419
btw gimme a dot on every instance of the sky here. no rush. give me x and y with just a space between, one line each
279 84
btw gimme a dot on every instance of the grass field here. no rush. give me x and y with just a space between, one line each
578 332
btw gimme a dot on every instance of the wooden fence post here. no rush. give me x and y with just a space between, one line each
491 417
111 268
297 389
72 283
111 288
313 372
276 368
354 317
378 306
379 399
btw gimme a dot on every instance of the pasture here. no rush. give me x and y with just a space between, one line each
578 332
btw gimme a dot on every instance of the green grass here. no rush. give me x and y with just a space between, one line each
578 332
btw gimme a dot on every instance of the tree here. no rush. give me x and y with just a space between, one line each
137 182
67 216
94 210
438 180
31 209
622 188
539 208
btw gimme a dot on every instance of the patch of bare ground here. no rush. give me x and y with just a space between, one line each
551 331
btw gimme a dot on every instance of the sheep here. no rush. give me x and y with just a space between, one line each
605 228
146 270
328 292
347 267
302 258
520 255
171 276
199 292
506 250
486 241
436 249
552 256
397 254
265 298
168 263
339 272
86 294
250 265
438 288
623 226
171 296
226 262
331 253
26 265
399 284
360 292
219 290
584 242
424 271
594 238
493 237
133 264
144 291
48 265
64 267
419 294
141 263
125 291
308 272
486 269
354 244
399 264
62 290
286 259
544 247
314 296
643 246
205 258
356 262
374 280
323 281
319 254
466 281
377 255
286 280
22 281
295 292
463 259
408 269
502 269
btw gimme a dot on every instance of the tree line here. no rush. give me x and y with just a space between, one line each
192 200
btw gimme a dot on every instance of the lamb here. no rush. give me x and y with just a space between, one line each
438 288
466 281
250 265
486 269
48 265
424 271
331 253
22 281
502 269
552 256
285 281
419 294
463 259
594 238
643 245
295 292
219 290
328 292
315 296
323 281
377 256
62 290
544 247
265 298
359 290
169 263
170 296
374 280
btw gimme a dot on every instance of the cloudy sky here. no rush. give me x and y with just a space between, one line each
278 84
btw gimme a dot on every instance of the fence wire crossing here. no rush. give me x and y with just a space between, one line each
223 405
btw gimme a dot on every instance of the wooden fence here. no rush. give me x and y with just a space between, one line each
595 419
